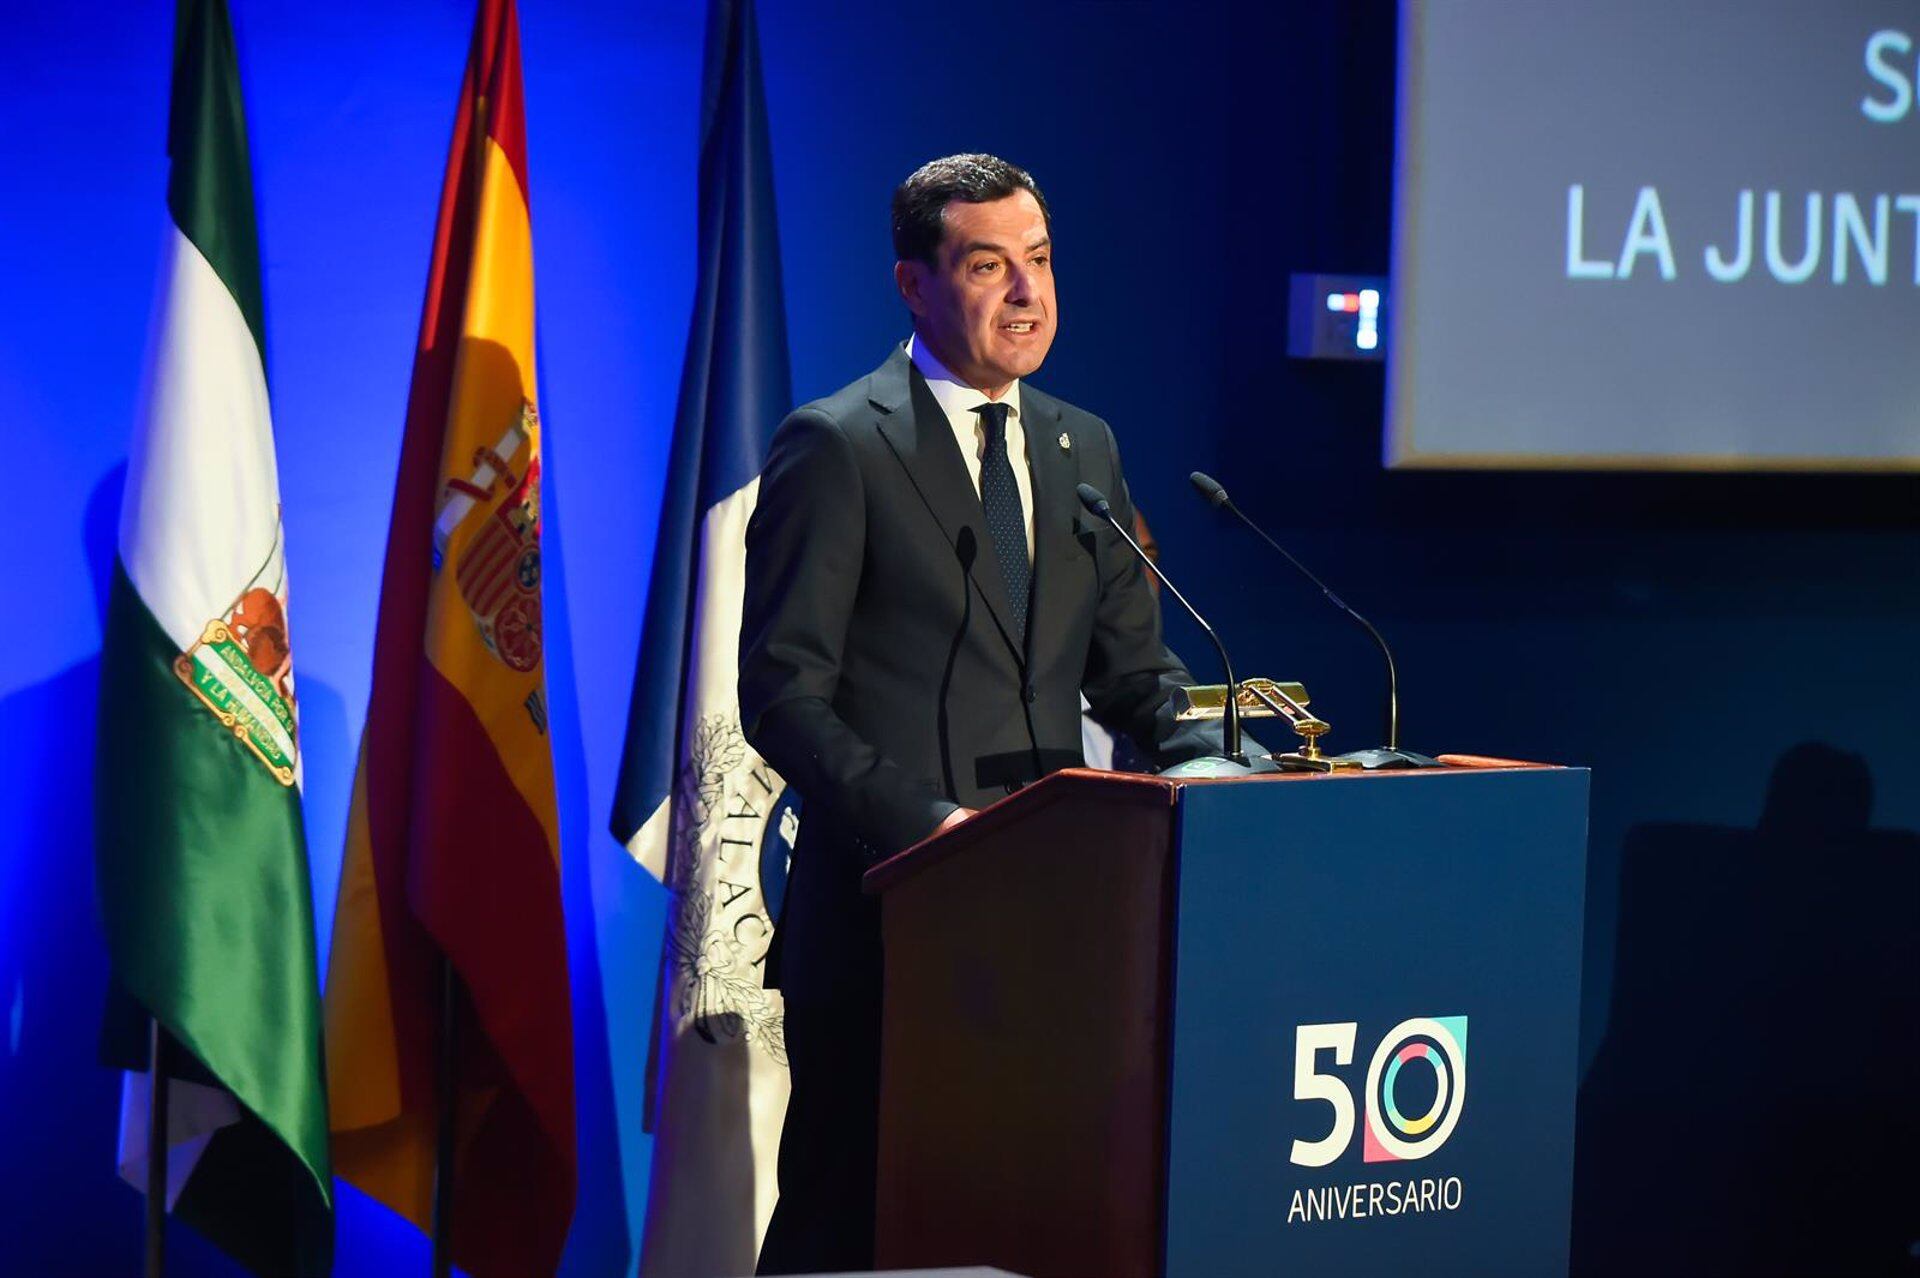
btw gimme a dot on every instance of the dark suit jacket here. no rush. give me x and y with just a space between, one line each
879 670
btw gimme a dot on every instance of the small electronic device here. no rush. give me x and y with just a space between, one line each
1337 317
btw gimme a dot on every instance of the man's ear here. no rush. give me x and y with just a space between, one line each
910 278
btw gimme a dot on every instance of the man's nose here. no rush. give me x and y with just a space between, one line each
1020 284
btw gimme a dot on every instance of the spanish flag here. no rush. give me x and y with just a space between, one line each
453 839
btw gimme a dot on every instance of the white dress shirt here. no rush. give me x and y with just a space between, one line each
958 400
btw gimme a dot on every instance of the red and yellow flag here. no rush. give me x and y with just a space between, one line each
453 841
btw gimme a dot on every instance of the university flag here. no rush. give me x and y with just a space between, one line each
696 805
200 857
453 835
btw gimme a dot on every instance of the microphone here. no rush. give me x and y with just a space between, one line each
1215 495
1096 503
965 547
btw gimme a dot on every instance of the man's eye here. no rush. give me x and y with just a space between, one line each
983 267
1043 261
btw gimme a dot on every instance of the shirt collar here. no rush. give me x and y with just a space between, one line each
956 399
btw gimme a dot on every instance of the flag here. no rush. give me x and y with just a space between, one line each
200 856
453 834
695 804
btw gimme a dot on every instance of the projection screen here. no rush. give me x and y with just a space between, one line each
1656 234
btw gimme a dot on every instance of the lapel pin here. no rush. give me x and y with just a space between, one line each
1066 444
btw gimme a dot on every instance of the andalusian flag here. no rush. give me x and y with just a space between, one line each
453 839
200 858
697 805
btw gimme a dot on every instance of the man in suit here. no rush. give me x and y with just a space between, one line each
925 602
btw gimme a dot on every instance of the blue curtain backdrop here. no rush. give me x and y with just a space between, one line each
1680 634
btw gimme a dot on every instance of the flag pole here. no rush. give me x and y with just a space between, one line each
156 1149
443 1144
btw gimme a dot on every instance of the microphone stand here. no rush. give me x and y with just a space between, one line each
1235 761
1392 756
965 548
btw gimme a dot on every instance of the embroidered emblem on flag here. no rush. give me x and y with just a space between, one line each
241 668
498 569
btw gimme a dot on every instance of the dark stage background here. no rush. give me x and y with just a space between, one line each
1732 655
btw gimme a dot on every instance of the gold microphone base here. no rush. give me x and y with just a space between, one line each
1297 761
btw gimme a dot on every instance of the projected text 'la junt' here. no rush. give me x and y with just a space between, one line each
1788 237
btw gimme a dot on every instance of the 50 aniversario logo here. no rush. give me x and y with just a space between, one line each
1415 1091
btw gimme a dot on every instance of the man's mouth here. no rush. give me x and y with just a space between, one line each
1020 326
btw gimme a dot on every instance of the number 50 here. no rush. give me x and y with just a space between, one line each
1391 1136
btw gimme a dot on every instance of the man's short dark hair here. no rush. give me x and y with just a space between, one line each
920 202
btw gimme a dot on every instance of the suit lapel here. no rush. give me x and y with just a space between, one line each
1055 477
918 433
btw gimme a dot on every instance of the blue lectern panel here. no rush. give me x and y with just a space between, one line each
1375 1025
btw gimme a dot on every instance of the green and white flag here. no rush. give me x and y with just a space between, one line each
200 858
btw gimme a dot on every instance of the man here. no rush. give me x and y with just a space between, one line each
925 602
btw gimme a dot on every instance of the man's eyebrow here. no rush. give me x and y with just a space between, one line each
983 246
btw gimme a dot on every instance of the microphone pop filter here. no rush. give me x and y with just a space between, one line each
1209 487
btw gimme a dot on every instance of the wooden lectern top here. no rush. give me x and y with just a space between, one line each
1130 789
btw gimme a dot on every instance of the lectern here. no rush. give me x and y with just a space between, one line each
1278 1025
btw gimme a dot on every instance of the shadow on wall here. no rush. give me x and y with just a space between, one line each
599 1242
65 1210
1752 1109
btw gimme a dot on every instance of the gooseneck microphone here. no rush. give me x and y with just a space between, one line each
1216 496
965 547
1096 504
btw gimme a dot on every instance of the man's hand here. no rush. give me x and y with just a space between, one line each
954 818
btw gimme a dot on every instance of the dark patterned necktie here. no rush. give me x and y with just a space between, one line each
1006 521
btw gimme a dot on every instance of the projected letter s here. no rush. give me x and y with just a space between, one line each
1879 44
